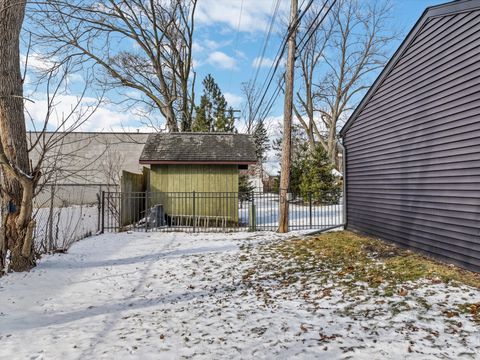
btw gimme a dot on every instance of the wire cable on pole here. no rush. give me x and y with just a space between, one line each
270 76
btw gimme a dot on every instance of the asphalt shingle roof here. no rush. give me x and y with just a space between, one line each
199 147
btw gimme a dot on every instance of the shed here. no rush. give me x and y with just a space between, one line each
413 143
205 163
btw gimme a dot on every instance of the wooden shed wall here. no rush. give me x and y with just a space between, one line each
413 151
167 182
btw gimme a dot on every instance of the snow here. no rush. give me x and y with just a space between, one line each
267 208
70 224
177 295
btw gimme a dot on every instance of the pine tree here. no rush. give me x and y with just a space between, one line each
202 121
317 178
213 113
245 188
299 155
227 123
262 142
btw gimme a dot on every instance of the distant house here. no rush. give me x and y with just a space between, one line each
207 163
413 143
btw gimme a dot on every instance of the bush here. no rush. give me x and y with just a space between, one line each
316 178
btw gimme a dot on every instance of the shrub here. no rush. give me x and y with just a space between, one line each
317 178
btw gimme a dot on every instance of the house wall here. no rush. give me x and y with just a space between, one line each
413 151
216 188
85 163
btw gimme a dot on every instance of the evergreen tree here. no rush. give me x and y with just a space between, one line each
227 123
245 188
213 113
300 153
202 121
220 112
262 142
317 178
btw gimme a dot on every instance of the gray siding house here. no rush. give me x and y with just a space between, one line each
413 143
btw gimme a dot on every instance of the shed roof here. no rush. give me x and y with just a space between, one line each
199 148
449 8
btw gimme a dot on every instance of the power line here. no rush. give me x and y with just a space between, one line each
316 26
310 31
273 99
265 43
279 56
236 42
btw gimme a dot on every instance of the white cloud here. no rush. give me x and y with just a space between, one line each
105 118
36 62
196 47
255 14
233 100
222 60
265 62
211 44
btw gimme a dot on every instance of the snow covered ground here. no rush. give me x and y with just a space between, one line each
301 216
176 295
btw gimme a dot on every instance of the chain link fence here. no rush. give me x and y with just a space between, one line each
65 213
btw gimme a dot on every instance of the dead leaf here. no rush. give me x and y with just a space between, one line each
450 314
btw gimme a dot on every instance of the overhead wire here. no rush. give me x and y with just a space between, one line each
316 26
271 74
236 41
265 43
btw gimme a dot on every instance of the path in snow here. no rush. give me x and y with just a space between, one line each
175 295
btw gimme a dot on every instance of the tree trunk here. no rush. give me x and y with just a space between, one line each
332 144
172 125
287 122
16 183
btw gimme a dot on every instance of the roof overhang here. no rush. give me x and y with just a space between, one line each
452 7
200 162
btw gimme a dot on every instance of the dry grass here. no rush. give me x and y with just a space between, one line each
372 261
369 277
347 259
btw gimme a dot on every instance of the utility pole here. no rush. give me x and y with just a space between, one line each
287 119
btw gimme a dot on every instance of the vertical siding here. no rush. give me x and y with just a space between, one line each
413 152
220 179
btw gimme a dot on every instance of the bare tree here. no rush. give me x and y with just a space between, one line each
336 63
145 46
309 60
21 178
18 178
250 109
255 118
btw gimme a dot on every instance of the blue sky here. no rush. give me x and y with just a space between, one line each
405 14
228 39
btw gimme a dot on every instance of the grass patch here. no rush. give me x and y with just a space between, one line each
351 258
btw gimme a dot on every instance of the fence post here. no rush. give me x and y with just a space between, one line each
193 210
146 211
103 211
252 214
310 206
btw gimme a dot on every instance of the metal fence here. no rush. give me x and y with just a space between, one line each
210 212
65 213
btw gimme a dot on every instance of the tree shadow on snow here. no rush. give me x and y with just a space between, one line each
141 258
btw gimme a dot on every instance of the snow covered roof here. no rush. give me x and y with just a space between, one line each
199 148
